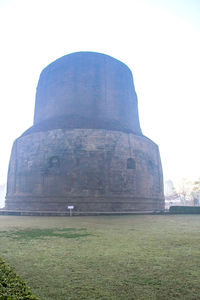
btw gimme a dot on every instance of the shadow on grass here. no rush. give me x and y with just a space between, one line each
30 234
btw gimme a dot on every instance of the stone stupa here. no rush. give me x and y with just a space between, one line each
86 148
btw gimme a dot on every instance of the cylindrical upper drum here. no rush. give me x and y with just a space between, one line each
87 90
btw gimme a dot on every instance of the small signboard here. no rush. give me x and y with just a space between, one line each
70 207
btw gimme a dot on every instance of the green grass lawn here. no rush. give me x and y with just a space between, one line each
105 257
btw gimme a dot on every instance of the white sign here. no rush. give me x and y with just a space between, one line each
70 207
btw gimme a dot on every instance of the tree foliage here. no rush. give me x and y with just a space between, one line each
12 287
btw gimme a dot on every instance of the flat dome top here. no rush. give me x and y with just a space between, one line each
84 55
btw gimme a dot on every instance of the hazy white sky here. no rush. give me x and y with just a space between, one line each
158 40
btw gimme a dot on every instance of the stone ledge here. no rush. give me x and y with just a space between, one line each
61 213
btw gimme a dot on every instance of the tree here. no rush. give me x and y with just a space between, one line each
196 192
184 191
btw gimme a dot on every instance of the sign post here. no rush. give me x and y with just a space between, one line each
70 207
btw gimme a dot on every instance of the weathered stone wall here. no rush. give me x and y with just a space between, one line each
94 170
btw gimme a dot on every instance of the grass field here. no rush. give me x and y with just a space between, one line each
105 257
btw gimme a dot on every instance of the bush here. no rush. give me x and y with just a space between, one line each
184 210
12 287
